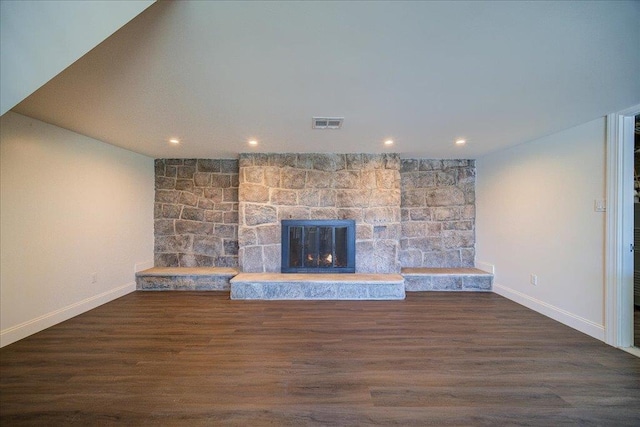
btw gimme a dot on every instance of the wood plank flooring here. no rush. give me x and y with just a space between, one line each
636 326
186 358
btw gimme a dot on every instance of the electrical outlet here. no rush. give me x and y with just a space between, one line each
534 280
94 277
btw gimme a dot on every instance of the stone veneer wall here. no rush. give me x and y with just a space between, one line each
197 221
196 213
438 213
363 187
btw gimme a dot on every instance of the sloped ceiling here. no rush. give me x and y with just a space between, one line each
39 39
216 74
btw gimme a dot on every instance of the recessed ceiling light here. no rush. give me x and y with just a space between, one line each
388 142
461 141
253 142
174 141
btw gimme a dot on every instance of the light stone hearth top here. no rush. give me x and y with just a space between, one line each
444 272
318 277
188 271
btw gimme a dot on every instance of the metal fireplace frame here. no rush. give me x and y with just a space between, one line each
349 224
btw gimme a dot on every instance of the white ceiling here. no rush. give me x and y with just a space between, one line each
215 74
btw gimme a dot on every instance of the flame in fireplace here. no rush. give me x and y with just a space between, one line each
329 258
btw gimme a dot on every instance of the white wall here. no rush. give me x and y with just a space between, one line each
70 206
39 39
535 215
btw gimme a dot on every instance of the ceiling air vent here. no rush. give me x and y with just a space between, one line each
327 122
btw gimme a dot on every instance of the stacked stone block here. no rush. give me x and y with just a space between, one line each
196 213
414 212
362 187
438 213
442 279
281 287
185 279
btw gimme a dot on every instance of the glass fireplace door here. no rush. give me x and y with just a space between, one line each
318 246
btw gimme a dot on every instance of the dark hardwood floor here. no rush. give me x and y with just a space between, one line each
179 358
636 326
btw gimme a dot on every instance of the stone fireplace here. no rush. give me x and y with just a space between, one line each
227 213
364 188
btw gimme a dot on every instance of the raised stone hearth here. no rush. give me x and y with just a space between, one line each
185 279
447 279
276 286
358 286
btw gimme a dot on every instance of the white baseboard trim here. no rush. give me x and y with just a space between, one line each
485 266
30 327
140 266
632 350
574 321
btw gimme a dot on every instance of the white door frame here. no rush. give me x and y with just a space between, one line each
618 319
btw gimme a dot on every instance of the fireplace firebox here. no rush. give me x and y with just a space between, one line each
318 246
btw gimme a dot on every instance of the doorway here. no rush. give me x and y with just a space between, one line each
619 246
636 233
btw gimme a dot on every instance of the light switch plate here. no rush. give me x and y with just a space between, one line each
600 205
